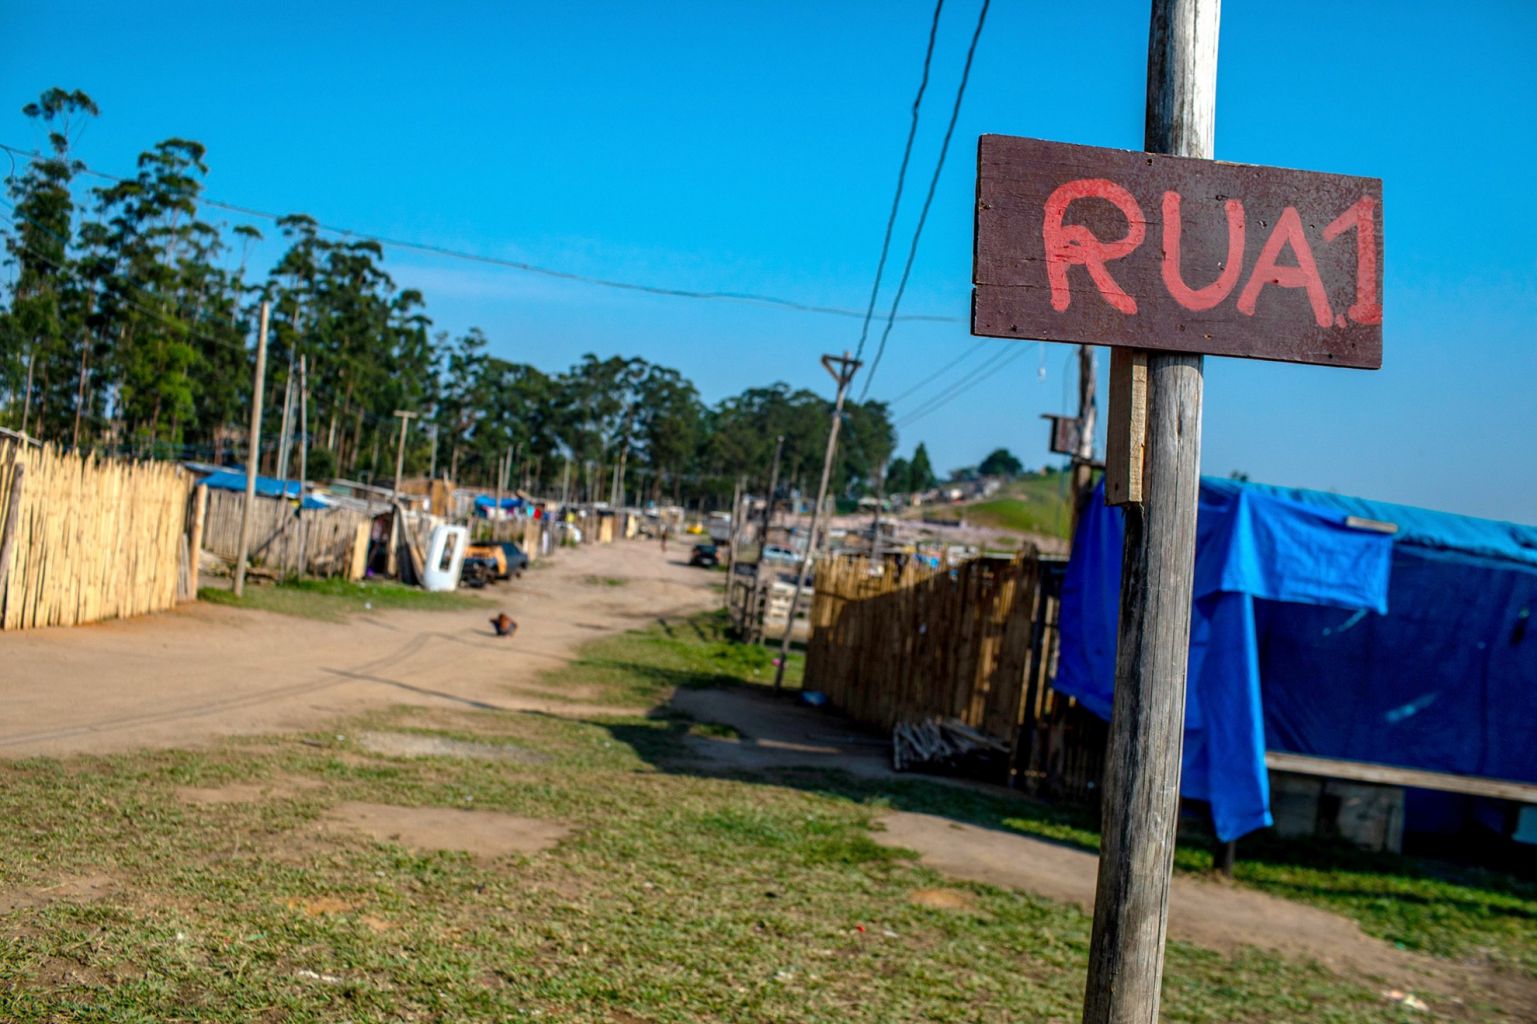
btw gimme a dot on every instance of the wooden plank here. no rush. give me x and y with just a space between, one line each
1393 775
1126 427
1119 248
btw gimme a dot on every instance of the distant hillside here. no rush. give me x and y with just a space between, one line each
1032 504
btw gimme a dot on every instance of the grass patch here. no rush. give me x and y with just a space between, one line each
604 581
679 897
335 599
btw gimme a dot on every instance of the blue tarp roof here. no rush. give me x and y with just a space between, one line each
1294 649
266 486
1421 527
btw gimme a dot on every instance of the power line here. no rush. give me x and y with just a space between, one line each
988 369
531 268
923 216
896 200
931 378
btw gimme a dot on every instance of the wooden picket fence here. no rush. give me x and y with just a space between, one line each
330 534
89 538
895 641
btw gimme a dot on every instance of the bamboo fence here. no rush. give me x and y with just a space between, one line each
90 538
895 641
330 534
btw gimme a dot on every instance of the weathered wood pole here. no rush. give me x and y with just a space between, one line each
1141 788
755 606
253 453
736 522
304 458
8 536
844 373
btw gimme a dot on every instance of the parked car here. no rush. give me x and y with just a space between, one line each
514 556
775 553
706 556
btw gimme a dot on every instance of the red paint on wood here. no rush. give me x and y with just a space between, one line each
1101 246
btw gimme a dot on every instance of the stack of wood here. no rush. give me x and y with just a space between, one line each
941 744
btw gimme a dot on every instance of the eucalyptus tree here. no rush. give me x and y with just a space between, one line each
43 330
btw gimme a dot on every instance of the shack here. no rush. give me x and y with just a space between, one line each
1378 659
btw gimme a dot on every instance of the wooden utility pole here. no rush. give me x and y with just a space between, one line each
304 454
1142 764
253 452
400 448
736 520
760 581
1083 458
875 521
284 435
843 373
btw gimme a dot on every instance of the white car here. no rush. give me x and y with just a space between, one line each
775 553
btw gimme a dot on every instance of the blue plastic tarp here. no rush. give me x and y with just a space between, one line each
485 502
266 486
1251 548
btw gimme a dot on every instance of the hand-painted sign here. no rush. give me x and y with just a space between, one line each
1109 247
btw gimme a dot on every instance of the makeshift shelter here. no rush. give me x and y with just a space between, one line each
266 486
1315 632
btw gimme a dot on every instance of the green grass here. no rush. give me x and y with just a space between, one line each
680 896
1031 504
604 581
335 599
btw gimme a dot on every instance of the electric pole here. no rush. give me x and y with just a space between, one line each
1142 759
1083 458
304 453
760 581
400 449
843 373
253 452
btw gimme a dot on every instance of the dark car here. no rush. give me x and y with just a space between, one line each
706 556
515 558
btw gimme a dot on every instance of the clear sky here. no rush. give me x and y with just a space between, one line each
753 147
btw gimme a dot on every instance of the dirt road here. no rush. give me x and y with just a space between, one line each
207 671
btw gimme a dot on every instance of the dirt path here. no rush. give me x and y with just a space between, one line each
776 733
206 671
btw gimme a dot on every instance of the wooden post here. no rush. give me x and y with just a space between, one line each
253 453
304 457
1142 763
755 605
736 519
1083 458
8 538
400 449
844 373
199 518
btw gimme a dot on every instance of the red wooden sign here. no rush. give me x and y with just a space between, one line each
1109 247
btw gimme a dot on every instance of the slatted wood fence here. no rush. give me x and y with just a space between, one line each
897 641
90 538
329 534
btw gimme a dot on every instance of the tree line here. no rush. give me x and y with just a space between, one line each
129 326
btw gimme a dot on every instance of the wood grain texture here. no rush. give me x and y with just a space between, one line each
91 538
1142 762
1013 296
1126 429
1394 775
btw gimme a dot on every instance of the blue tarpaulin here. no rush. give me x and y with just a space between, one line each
266 486
484 503
1250 546
1294 649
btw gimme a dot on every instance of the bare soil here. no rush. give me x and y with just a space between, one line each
204 671
486 834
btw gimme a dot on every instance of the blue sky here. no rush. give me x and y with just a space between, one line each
753 147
